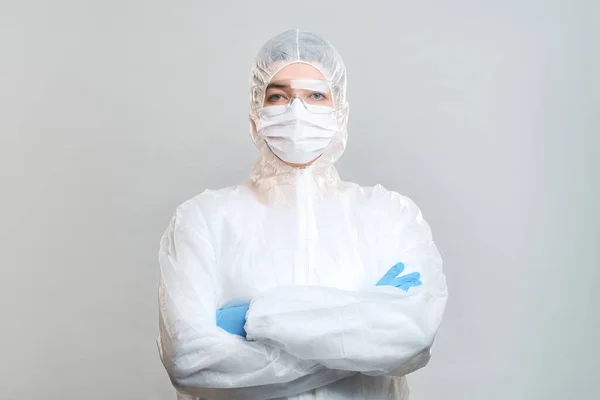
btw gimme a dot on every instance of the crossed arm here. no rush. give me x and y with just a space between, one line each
298 338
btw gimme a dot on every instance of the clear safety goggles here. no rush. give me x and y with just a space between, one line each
277 97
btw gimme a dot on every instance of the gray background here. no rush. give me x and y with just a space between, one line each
485 113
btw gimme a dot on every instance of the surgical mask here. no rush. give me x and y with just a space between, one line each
297 133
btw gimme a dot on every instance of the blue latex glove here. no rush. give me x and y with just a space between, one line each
233 319
404 282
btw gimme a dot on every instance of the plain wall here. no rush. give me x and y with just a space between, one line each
483 112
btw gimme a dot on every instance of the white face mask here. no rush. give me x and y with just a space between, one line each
294 134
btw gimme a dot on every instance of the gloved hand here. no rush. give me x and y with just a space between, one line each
405 282
233 319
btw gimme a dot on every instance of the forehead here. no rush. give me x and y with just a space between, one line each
298 71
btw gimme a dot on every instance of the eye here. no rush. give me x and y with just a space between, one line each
317 96
275 97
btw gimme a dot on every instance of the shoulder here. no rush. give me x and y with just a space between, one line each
393 215
208 203
380 198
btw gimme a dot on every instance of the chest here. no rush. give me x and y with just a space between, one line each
319 245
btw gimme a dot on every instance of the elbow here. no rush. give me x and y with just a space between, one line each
179 378
183 378
415 355
421 352
416 362
423 344
426 329
408 363
177 373
174 362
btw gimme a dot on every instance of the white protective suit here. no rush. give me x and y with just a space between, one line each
305 249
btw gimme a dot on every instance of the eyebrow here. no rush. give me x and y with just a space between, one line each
278 86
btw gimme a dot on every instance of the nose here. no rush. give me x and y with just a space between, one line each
297 103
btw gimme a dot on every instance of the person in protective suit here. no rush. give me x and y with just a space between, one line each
296 284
